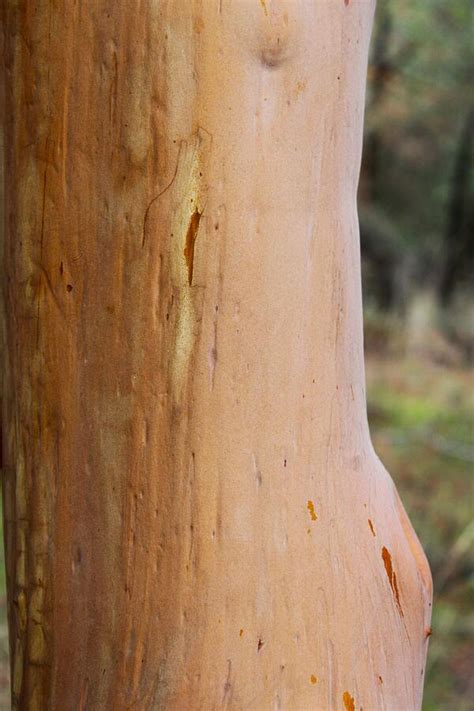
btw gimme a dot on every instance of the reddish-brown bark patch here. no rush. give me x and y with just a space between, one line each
392 578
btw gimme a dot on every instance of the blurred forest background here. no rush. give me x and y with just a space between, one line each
416 207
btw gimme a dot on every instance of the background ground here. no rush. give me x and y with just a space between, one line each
421 418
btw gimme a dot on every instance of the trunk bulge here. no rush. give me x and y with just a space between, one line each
195 518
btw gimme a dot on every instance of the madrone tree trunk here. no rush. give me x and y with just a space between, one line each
195 517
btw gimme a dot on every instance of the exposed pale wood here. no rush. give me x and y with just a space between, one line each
195 517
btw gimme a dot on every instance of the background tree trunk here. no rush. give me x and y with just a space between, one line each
195 517
458 242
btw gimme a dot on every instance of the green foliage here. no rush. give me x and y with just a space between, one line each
420 93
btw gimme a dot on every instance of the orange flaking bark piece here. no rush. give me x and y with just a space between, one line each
348 701
312 512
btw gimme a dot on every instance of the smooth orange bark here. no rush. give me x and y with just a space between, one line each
188 470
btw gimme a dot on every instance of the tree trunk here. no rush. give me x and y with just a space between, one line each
195 517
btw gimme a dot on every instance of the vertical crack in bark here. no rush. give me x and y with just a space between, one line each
153 200
227 685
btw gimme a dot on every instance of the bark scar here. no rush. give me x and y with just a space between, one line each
191 235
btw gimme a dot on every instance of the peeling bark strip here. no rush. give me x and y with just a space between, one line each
176 385
312 512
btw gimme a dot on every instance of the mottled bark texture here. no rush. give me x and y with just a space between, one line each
194 515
